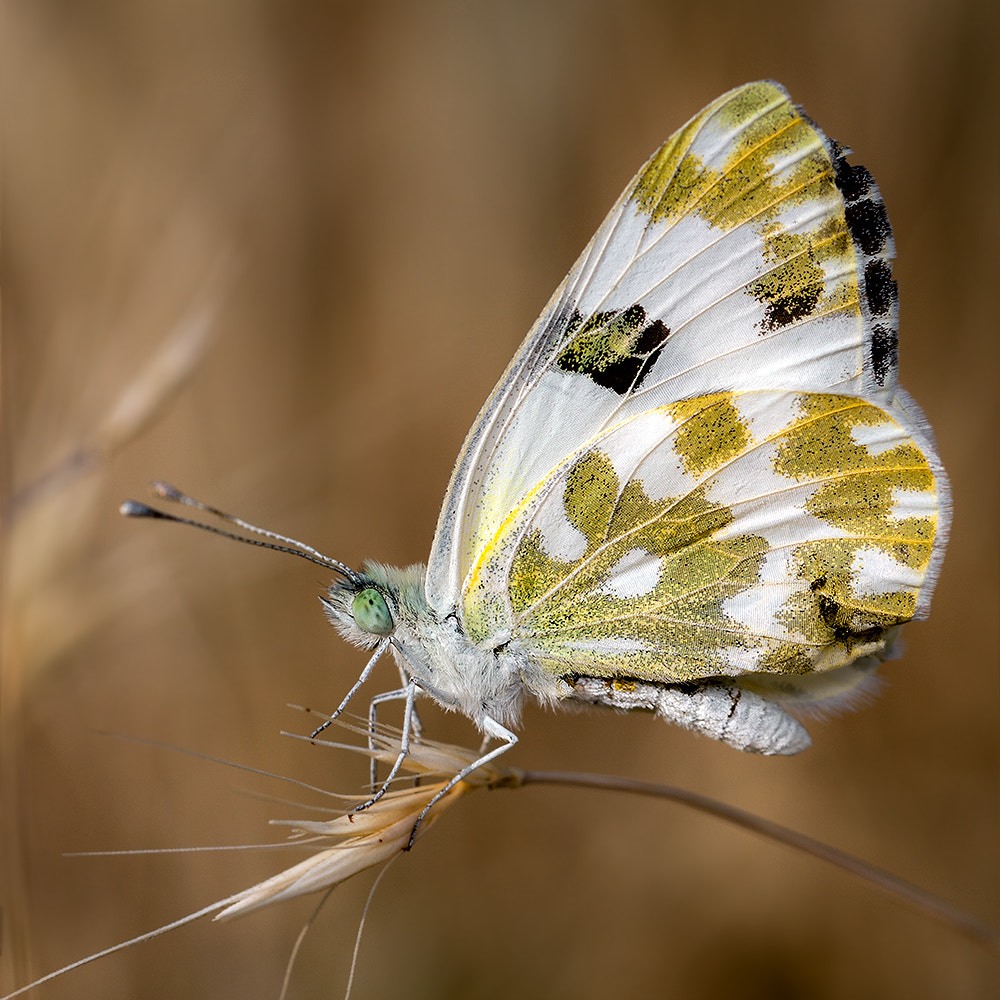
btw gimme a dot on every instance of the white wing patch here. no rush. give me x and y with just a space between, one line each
875 573
636 574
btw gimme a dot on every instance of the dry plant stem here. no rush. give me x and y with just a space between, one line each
397 828
899 889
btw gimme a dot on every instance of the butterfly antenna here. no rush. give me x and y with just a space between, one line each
134 508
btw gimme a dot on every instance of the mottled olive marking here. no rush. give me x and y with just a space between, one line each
817 613
794 286
785 658
712 434
677 182
678 626
674 181
857 494
590 495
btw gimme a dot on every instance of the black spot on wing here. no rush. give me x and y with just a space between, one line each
629 372
853 182
867 219
652 339
880 287
615 350
571 324
787 304
634 316
884 351
853 626
868 223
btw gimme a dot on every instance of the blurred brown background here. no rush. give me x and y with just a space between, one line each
373 201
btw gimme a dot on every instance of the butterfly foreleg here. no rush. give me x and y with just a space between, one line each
379 650
491 730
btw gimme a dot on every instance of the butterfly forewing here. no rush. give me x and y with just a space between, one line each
745 254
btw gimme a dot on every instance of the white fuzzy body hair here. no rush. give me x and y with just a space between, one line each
479 682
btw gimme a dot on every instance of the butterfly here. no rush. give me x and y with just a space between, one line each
697 490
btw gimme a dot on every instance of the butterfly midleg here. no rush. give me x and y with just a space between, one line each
416 727
409 693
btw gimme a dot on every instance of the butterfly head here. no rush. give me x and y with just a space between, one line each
366 607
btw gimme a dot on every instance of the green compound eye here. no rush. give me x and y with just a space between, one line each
371 612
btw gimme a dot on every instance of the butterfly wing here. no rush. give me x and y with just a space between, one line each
743 276
733 533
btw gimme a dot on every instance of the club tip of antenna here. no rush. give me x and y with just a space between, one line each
165 490
133 508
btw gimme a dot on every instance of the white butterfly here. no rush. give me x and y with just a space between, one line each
697 489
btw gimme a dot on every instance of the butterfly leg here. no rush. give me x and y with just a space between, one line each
379 650
410 694
415 724
492 730
415 729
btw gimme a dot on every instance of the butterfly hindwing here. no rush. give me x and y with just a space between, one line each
746 254
733 533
